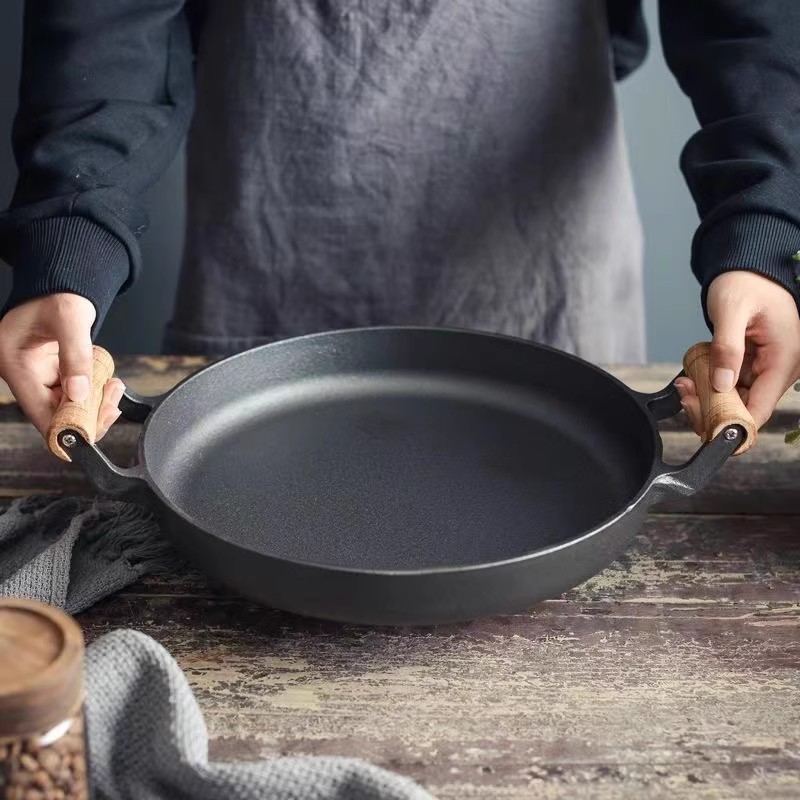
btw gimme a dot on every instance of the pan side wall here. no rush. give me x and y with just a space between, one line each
424 598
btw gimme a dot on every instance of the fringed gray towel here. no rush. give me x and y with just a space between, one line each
71 552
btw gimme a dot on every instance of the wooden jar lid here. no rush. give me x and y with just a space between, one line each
41 667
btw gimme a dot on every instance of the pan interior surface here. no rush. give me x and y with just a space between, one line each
391 467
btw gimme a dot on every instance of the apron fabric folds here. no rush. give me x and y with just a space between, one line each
425 162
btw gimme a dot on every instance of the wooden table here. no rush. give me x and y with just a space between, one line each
674 673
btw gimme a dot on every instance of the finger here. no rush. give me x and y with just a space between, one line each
766 391
36 400
744 393
691 405
747 374
101 432
40 366
74 357
690 402
727 349
109 408
685 386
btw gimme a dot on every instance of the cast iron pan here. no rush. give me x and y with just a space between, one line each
402 475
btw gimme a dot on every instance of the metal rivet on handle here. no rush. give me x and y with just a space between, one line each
731 434
69 440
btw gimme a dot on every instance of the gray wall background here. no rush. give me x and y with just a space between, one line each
658 120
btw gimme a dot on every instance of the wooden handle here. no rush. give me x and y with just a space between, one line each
719 409
82 417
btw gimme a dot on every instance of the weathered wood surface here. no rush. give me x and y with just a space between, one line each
674 673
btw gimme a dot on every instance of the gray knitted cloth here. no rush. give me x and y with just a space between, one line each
71 552
148 740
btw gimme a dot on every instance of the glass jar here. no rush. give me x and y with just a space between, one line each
43 753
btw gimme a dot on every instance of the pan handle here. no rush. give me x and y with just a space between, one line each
129 483
728 427
81 417
691 477
719 410
72 432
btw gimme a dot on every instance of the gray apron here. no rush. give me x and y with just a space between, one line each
429 162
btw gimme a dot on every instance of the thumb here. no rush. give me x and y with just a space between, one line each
727 349
74 356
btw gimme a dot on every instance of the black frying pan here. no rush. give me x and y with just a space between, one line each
402 475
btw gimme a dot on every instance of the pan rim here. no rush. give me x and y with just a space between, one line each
541 552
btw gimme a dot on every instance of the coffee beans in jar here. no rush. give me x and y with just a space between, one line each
43 754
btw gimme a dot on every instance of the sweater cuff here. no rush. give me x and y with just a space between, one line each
760 243
67 254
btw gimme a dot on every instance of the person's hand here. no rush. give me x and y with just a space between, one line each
46 349
756 344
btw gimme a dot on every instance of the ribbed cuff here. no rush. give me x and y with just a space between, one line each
67 254
760 243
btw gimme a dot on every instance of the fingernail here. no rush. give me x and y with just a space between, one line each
681 390
723 379
77 388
